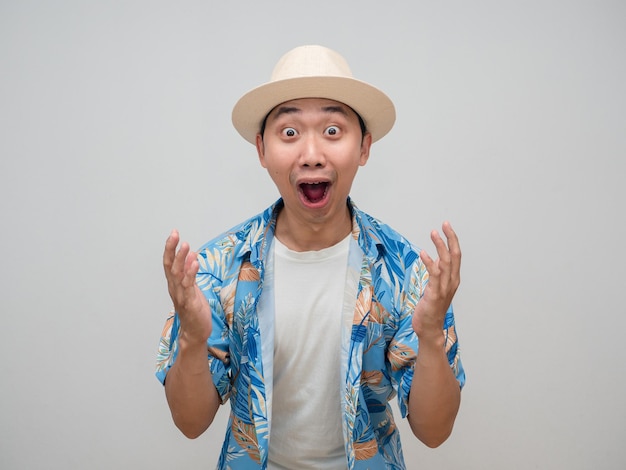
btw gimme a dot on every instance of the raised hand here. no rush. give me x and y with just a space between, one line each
444 279
192 307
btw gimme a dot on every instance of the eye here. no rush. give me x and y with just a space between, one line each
332 130
289 132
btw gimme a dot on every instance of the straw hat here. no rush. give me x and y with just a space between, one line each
313 72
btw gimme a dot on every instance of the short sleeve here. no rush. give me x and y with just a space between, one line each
218 347
166 351
218 359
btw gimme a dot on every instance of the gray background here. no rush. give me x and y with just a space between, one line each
115 128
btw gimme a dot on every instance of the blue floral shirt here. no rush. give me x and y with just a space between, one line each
378 352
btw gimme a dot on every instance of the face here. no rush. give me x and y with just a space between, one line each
312 149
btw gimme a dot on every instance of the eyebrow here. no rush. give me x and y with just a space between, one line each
286 110
295 110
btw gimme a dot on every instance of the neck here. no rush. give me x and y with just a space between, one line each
312 235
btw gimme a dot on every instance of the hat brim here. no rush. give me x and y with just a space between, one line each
374 106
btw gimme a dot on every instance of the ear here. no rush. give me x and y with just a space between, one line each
260 149
366 143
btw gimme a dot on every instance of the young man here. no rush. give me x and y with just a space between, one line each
312 316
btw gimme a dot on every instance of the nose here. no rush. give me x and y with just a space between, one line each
312 152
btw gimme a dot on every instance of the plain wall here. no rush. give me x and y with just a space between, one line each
115 128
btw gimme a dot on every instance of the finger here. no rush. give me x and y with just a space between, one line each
429 263
179 260
189 299
454 249
451 237
440 245
434 286
169 251
191 270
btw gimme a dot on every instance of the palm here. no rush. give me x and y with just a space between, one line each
443 281
192 307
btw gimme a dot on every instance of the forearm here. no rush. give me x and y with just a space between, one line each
191 394
435 394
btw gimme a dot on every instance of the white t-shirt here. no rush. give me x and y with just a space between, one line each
306 430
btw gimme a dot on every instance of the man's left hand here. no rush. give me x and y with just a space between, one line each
444 279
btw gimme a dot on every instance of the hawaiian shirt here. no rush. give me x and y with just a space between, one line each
379 346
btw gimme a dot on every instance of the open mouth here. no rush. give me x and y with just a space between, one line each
314 192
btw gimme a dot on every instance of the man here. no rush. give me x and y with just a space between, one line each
311 316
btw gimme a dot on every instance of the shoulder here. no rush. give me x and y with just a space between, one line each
382 242
393 263
245 234
243 241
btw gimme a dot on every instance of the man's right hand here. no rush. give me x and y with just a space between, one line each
192 307
191 395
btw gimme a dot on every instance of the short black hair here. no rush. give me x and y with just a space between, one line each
361 124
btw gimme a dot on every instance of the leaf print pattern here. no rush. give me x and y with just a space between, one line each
400 355
227 300
450 338
248 272
388 425
365 450
245 436
363 306
378 314
164 353
373 377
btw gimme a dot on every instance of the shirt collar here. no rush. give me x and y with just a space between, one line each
365 231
